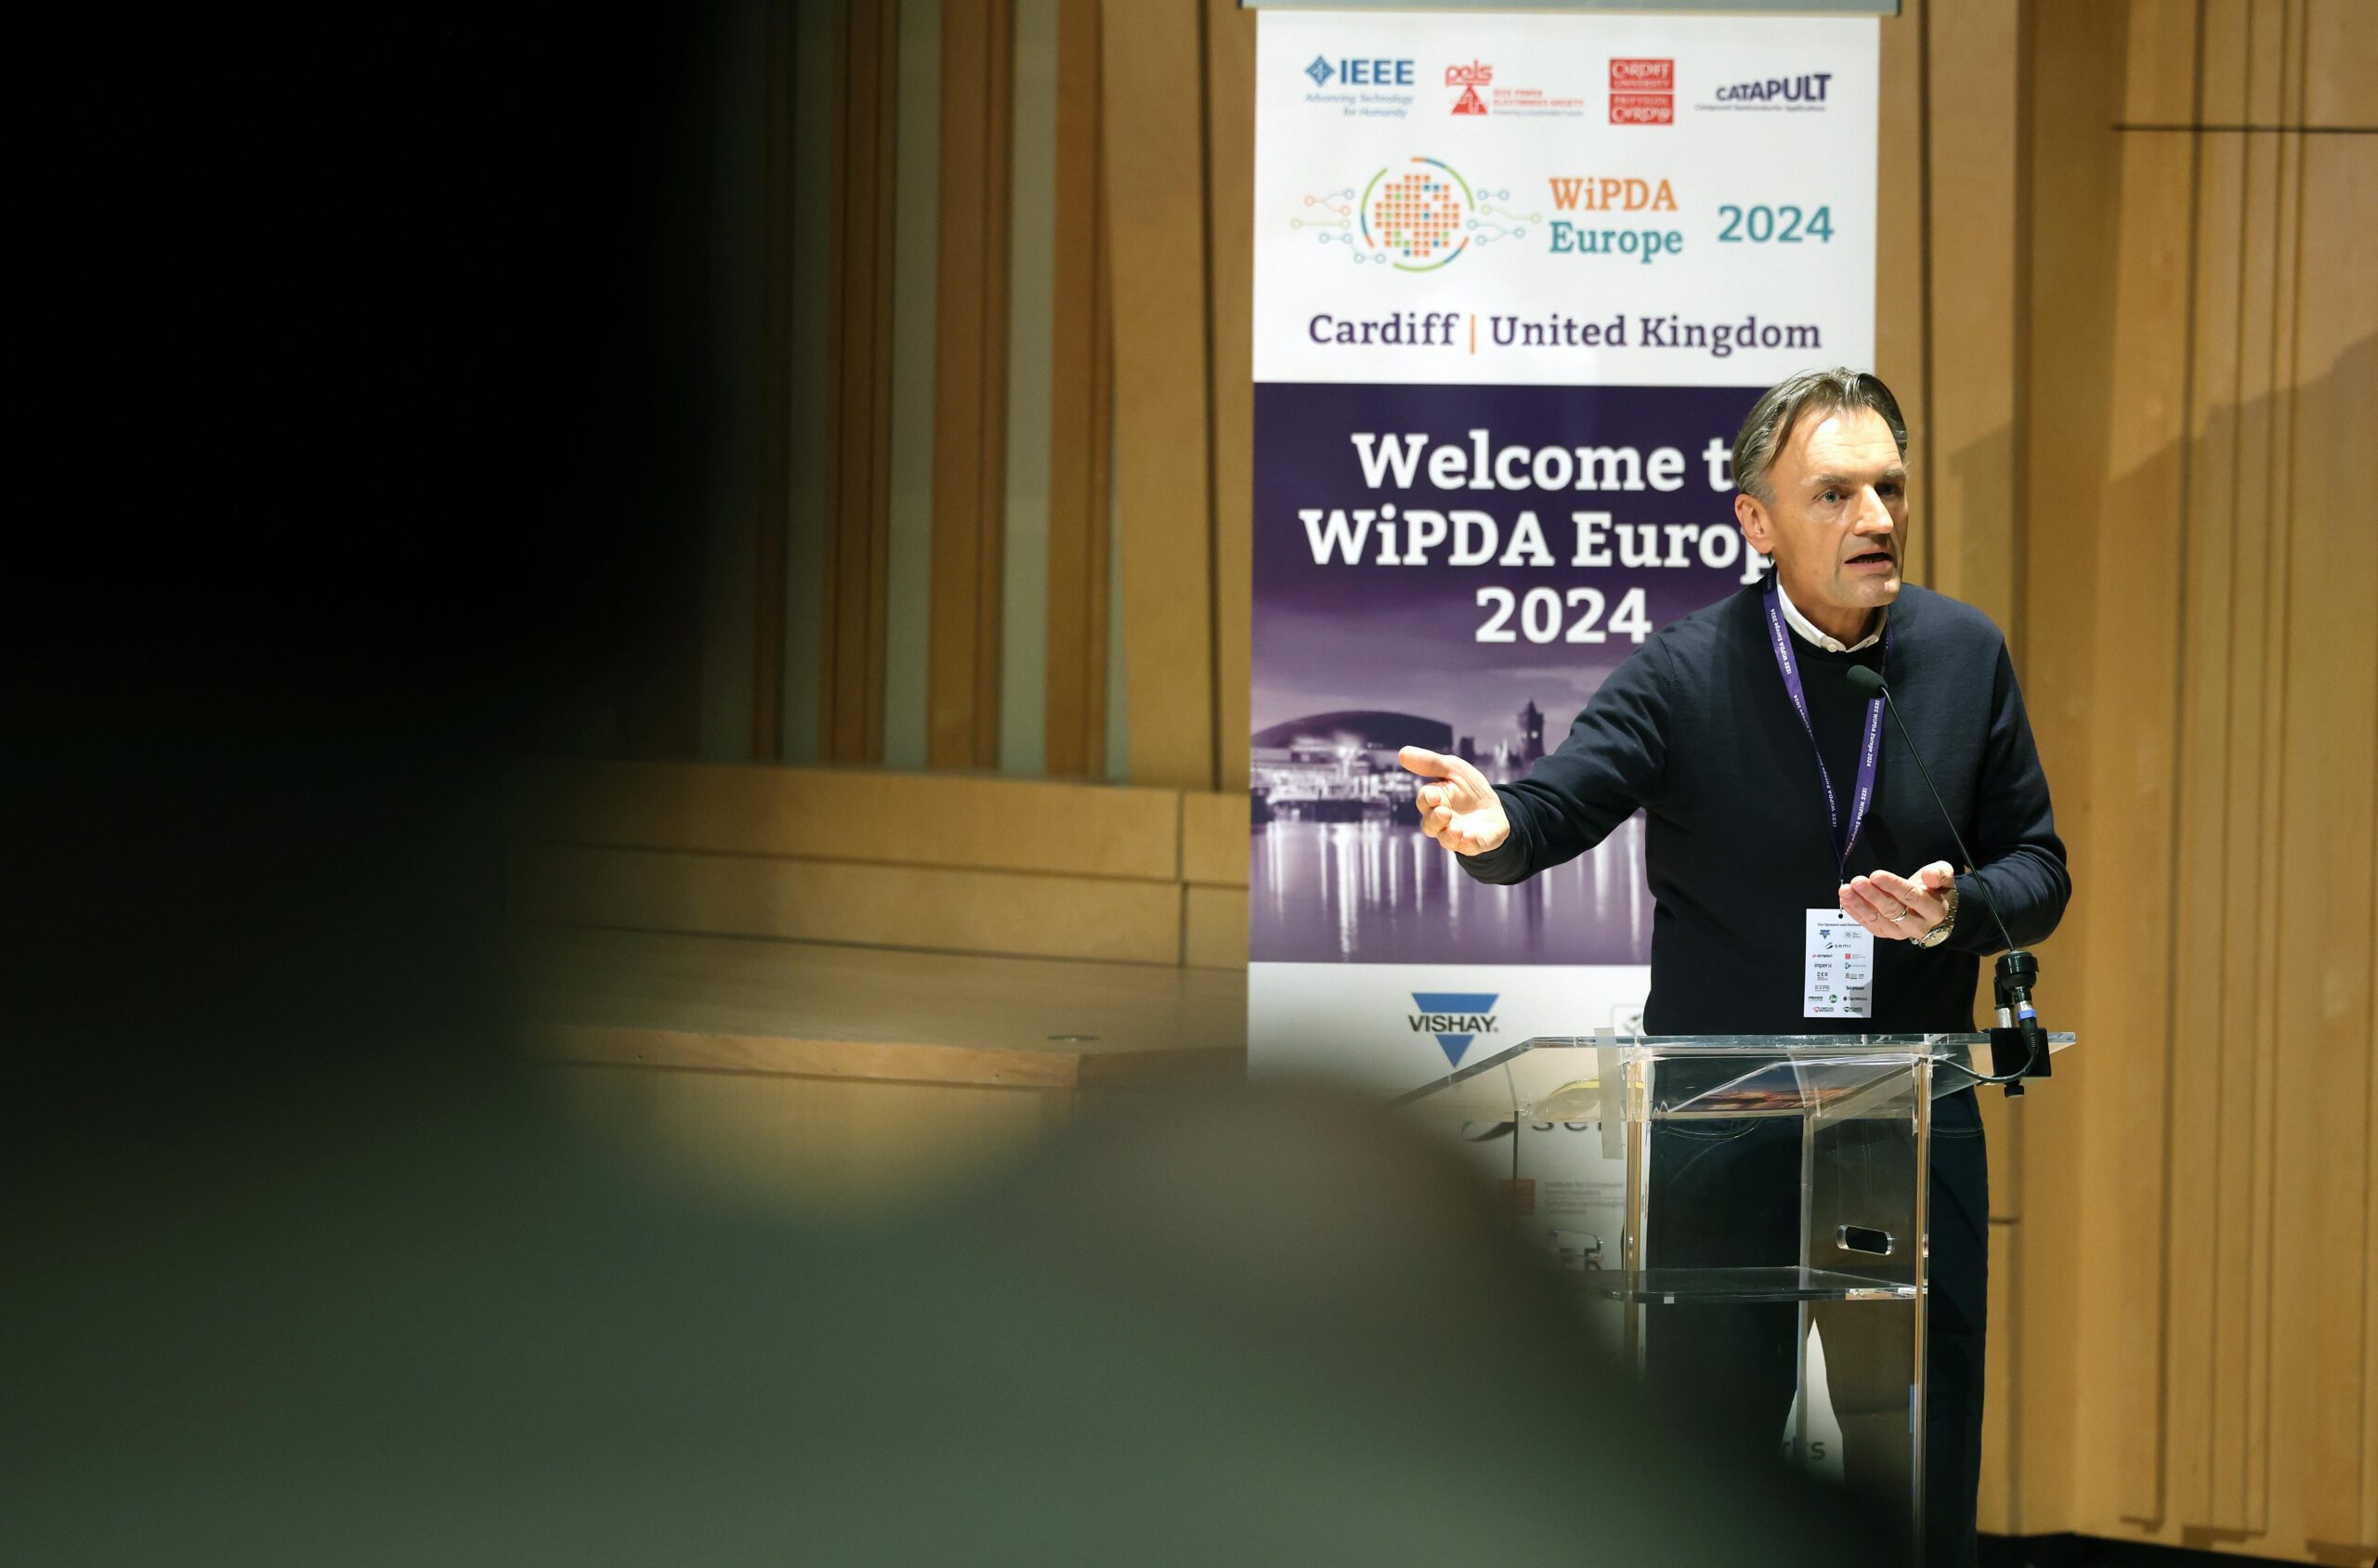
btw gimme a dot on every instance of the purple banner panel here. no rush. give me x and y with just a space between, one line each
1460 568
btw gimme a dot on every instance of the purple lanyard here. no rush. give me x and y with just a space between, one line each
1869 746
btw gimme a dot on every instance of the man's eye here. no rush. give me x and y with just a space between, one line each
1830 495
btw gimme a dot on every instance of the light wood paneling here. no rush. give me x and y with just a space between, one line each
832 1148
1974 92
969 385
1156 199
832 901
860 1001
1213 927
1901 356
779 183
2108 411
1230 215
2203 342
1213 840
858 350
1081 422
841 1079
2327 863
828 814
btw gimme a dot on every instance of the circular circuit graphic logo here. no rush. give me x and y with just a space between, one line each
1414 220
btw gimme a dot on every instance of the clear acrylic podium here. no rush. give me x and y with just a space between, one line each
1660 1173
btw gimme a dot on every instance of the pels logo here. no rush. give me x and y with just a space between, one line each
1470 78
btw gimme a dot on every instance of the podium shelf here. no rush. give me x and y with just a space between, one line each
1735 1287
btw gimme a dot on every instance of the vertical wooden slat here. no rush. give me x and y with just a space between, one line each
2217 719
778 196
858 449
969 385
1156 186
2330 803
2265 401
2076 97
1080 409
1899 320
2105 473
1974 197
1229 215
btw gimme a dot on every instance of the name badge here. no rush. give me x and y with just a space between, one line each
1838 977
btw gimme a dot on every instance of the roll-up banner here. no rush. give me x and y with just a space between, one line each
1517 278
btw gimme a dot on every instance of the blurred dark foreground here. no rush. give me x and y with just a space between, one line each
1263 1328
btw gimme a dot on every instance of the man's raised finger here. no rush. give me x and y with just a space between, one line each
1420 760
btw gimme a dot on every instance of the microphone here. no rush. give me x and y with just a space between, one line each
2017 970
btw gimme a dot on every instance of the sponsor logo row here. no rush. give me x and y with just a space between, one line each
1638 91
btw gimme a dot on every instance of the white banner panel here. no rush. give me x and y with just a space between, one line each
1517 278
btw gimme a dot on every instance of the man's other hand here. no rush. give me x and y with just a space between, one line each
1459 809
1899 908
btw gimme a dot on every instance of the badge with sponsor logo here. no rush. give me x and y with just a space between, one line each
1838 978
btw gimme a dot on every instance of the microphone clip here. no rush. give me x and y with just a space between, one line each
2017 1036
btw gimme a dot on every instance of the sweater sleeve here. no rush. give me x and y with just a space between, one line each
1607 768
2019 860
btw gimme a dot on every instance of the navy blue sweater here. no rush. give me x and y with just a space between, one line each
1696 731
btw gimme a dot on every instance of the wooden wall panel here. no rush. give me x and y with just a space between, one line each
779 181
1974 197
858 350
1082 423
2105 415
1214 839
2200 1234
828 814
1213 927
819 1146
2327 1024
1230 215
1155 204
1901 320
969 385
944 911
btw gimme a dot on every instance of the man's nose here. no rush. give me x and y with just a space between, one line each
1873 517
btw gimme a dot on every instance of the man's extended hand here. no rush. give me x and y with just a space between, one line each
1894 908
1461 810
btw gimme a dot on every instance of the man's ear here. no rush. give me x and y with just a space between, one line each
1756 528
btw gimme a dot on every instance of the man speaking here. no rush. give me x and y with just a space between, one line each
1772 807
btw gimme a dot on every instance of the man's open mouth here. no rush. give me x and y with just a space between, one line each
1872 558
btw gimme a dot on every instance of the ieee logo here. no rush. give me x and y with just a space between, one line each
1361 73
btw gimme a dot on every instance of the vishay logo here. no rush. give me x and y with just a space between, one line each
1455 1018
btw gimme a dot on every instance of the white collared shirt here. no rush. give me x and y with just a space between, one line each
1808 633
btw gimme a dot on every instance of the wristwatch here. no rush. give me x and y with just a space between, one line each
1940 932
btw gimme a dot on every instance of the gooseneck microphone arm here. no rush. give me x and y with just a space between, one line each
2017 970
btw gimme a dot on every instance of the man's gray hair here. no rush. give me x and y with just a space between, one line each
1780 407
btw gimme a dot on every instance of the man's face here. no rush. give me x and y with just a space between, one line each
1837 524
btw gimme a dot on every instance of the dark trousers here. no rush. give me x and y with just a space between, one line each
1729 1195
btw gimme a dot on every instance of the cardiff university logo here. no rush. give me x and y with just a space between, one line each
1470 78
1642 92
1455 1018
1320 71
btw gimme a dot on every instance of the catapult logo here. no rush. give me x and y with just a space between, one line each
1454 1017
